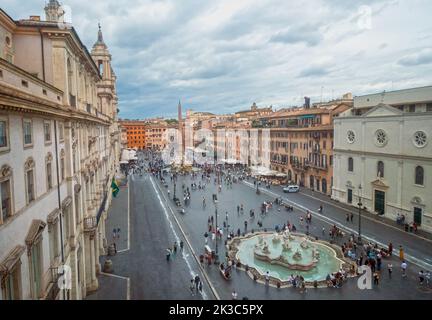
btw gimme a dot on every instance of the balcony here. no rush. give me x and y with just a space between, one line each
299 167
319 167
90 224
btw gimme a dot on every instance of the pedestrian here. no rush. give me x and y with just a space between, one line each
200 286
267 278
401 253
181 245
245 224
403 268
197 282
323 231
192 287
114 234
421 277
234 295
347 217
390 269
238 209
175 247
390 249
351 217
226 215
427 277
168 253
376 278
118 233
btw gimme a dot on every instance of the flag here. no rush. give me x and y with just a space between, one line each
114 187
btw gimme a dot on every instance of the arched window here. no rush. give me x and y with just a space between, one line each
419 175
350 164
380 169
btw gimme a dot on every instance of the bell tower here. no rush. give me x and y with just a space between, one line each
54 11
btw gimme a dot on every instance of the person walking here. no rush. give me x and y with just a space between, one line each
175 247
347 217
376 278
351 217
197 282
192 287
401 253
267 278
421 277
404 268
390 269
390 249
168 253
181 245
234 295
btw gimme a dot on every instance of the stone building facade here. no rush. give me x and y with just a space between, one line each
59 150
383 155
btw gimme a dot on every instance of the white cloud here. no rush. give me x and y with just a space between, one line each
223 55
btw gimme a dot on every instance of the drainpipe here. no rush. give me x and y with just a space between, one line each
59 198
43 54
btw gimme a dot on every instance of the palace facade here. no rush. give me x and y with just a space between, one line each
59 150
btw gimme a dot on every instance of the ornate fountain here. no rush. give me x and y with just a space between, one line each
284 254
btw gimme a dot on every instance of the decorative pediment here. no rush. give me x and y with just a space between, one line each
10 261
53 216
6 171
66 202
382 110
379 183
416 200
29 164
35 231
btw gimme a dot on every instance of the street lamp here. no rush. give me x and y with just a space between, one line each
216 217
359 239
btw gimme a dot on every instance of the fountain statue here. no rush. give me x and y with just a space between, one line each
286 246
276 238
266 249
304 244
297 255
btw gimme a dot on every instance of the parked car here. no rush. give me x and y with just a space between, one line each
291 188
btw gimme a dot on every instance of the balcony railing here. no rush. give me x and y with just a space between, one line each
90 224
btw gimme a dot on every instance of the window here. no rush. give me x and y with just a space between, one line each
47 131
27 128
350 164
4 144
419 175
49 175
331 160
62 165
53 230
350 136
381 138
429 107
420 139
12 283
6 203
380 169
61 131
411 108
29 180
324 144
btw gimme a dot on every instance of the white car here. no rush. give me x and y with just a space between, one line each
291 188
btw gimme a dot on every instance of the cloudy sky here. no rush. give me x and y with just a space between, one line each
223 55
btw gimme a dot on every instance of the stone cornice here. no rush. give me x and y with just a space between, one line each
380 154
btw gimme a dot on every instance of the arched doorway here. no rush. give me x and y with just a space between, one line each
311 182
324 186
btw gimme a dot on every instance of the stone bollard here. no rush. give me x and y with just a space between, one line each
108 266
